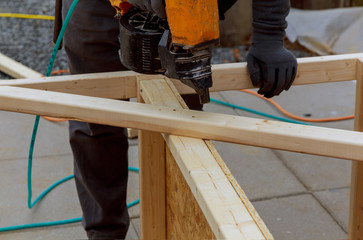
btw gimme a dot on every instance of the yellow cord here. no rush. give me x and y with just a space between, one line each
27 16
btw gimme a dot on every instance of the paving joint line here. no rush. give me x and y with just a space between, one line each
280 196
275 152
135 228
36 157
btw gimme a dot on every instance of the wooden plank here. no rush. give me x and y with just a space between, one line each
114 85
226 214
152 185
252 211
233 76
16 69
257 219
185 219
236 129
132 133
152 157
355 227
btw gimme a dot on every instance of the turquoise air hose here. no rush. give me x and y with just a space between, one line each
37 118
35 128
31 149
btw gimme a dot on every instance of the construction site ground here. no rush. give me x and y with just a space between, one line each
299 196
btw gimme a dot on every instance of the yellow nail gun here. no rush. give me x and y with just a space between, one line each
179 46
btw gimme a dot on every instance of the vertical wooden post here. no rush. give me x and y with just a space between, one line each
355 228
152 184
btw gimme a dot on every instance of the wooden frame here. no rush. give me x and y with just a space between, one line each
176 168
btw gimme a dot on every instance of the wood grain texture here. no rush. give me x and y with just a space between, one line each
355 226
256 217
152 186
152 160
226 215
16 69
114 85
231 76
185 220
272 134
249 131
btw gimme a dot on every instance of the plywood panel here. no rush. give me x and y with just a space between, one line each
227 216
185 220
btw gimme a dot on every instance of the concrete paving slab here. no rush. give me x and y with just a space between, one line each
316 101
259 172
133 182
72 231
136 223
15 134
61 203
316 172
322 101
298 218
217 108
133 193
134 156
131 234
336 201
45 171
249 101
133 142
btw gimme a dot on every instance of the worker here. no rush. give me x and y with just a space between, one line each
100 152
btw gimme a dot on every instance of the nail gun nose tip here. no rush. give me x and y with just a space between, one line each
204 96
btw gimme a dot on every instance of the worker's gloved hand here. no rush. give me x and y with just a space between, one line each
155 6
271 66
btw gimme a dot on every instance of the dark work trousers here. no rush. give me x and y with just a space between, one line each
100 152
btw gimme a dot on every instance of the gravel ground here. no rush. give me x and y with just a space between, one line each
30 41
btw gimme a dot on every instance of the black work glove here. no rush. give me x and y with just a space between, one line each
271 66
155 6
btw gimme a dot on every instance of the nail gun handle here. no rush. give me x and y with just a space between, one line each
57 22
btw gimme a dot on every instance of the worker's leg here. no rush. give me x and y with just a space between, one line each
100 170
100 152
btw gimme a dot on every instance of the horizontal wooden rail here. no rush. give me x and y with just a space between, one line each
232 76
16 69
256 132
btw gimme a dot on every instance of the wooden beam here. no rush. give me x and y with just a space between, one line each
185 219
252 211
152 185
16 69
232 76
152 158
355 227
258 221
236 129
226 214
114 85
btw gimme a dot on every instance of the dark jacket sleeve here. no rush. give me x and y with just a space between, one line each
223 6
